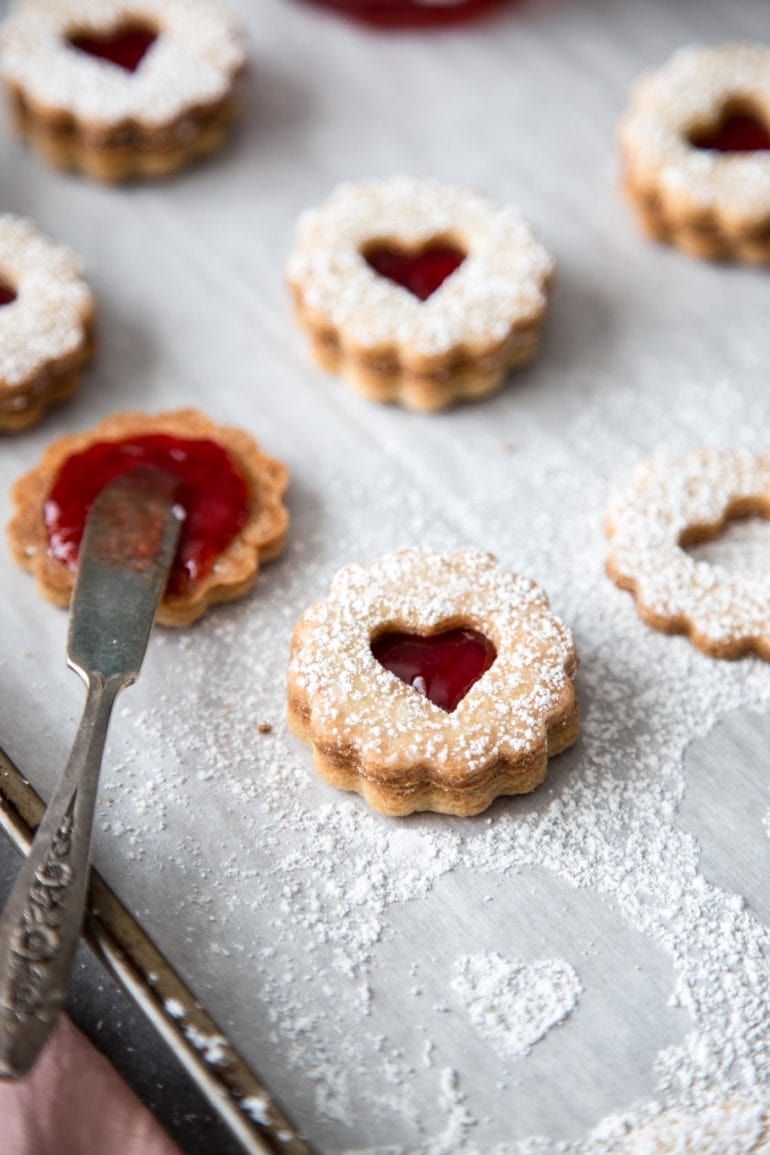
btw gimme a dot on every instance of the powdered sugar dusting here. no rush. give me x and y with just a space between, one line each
47 320
213 1048
358 706
257 1107
192 62
500 284
512 1004
175 1008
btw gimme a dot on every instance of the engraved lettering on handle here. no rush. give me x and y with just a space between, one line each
127 551
36 940
41 922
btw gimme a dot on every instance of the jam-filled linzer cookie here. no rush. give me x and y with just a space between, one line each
432 681
696 150
229 489
46 323
118 89
419 292
678 501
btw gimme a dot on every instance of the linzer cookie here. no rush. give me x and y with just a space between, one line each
696 151
419 292
229 489
725 1128
678 501
121 88
431 681
46 323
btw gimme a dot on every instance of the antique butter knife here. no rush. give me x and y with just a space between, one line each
129 543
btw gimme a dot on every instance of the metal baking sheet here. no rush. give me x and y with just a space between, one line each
365 967
123 948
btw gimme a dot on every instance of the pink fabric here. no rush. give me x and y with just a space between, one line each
74 1103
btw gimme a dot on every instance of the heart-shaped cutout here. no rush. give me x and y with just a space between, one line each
7 294
735 132
421 272
125 47
441 667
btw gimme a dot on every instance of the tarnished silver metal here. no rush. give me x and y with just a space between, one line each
136 963
127 550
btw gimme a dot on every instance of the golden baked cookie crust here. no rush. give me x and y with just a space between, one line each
460 343
47 331
713 205
372 733
91 116
235 570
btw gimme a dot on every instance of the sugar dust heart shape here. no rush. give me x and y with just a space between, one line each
738 132
125 47
515 1004
420 272
442 667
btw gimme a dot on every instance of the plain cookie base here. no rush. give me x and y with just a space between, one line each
386 380
728 648
724 1129
235 570
504 778
126 151
700 233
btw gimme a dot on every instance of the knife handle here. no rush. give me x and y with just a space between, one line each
40 925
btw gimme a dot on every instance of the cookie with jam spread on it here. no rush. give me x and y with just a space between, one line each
230 490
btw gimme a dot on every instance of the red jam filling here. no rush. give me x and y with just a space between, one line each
411 13
7 294
739 132
421 273
125 47
210 489
441 667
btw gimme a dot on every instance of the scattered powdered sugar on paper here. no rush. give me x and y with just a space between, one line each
296 887
743 548
513 1004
